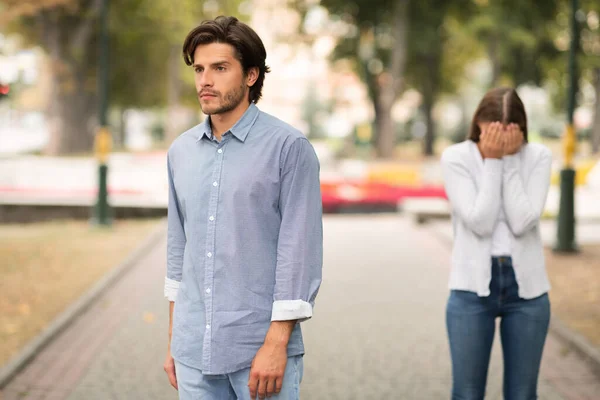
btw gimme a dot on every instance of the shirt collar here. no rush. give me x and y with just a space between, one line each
205 129
241 128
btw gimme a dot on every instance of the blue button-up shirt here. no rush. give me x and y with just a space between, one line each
245 239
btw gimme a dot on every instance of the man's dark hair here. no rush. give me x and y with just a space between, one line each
499 105
249 49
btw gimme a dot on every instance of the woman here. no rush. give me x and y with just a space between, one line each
497 185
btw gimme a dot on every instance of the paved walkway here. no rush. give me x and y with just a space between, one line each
378 331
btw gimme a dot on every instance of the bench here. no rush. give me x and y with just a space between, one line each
426 208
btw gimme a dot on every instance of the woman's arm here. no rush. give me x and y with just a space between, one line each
477 209
524 204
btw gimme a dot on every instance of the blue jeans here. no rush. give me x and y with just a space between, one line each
193 385
470 321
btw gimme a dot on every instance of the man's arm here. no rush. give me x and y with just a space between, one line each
171 307
169 362
300 242
176 242
299 263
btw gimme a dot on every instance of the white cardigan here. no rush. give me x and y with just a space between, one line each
477 191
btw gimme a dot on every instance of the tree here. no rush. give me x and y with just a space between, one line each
313 109
590 61
554 65
67 31
432 69
394 45
518 38
595 135
143 67
377 49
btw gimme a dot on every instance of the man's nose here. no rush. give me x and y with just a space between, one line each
206 79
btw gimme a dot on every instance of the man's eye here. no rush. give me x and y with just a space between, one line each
220 68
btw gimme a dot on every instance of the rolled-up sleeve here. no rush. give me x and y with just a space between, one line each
300 242
176 241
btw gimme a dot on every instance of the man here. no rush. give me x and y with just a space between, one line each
245 230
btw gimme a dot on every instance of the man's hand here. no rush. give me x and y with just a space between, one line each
170 370
268 366
492 141
514 139
266 372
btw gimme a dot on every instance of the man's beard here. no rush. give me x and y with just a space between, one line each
231 100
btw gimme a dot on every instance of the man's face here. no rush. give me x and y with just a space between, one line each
220 80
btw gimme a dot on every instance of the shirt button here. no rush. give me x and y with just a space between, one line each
207 326
211 218
209 255
208 290
220 151
215 184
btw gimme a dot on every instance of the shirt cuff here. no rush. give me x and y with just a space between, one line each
171 289
287 310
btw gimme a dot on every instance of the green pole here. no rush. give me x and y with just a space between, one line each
566 213
103 140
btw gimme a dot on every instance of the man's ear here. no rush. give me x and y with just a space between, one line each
252 76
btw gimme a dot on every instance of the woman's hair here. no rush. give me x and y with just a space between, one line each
249 49
499 105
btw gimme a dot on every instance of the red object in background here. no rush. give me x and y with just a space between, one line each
337 195
4 90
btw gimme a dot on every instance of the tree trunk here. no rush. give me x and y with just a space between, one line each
73 106
429 139
176 122
73 118
595 136
391 83
430 88
494 59
120 132
385 138
73 110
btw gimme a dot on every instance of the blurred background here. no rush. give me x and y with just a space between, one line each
380 88
93 92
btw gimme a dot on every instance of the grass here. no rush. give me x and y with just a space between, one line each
47 266
575 293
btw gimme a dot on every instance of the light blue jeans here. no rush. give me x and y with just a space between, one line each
193 385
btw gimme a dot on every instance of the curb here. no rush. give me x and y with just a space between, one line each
577 342
63 320
569 337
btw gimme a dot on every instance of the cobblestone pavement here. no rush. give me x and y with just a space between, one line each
378 331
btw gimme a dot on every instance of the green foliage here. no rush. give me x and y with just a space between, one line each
431 66
143 34
369 41
519 37
142 50
314 111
